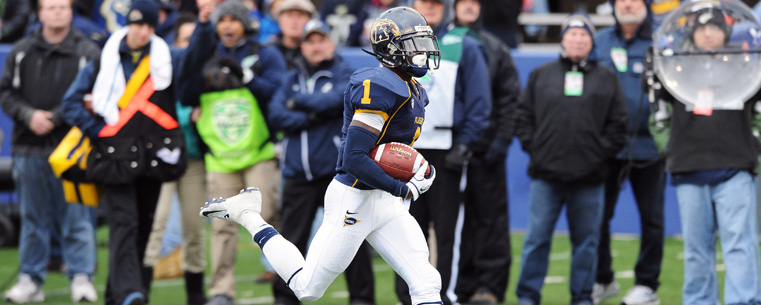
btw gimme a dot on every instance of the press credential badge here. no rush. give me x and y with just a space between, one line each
618 55
574 83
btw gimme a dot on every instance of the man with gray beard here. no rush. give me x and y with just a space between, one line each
622 48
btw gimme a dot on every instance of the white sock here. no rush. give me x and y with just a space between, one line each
284 257
253 222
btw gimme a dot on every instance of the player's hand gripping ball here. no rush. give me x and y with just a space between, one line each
398 160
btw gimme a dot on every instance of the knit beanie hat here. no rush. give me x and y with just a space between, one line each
236 10
143 12
710 15
578 20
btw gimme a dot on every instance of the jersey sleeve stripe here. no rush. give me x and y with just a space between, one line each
381 113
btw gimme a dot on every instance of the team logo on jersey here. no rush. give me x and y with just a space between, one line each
350 221
382 31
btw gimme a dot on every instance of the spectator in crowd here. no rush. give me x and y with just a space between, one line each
50 58
223 41
622 48
182 28
137 144
189 188
167 20
81 21
486 257
571 120
359 32
14 18
715 188
292 16
263 13
461 116
308 109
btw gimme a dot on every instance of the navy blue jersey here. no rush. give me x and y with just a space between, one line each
380 90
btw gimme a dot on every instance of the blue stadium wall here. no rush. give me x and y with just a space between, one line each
626 219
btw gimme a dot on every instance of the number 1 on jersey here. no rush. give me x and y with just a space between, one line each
366 95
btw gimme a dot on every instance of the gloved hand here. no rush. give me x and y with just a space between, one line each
497 151
456 157
419 184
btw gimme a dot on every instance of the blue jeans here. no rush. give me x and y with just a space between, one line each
584 211
40 195
730 207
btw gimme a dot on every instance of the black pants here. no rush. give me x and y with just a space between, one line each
648 181
439 205
485 252
300 202
130 218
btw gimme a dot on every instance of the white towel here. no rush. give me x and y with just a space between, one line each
110 83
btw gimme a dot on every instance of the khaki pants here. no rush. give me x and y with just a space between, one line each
191 189
224 240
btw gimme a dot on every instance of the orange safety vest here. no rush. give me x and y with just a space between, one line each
136 94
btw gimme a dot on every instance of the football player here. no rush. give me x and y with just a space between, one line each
381 105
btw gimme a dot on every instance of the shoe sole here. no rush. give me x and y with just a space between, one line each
656 302
35 299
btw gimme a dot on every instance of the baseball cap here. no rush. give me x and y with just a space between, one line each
305 6
315 26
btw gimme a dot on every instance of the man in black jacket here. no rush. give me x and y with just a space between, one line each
571 120
485 254
37 72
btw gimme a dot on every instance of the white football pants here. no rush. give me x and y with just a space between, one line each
351 216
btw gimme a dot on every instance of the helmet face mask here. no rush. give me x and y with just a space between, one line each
422 49
401 38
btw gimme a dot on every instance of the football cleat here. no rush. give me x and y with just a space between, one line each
249 200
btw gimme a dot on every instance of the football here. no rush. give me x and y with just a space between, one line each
398 160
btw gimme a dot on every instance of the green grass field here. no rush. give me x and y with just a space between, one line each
625 249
